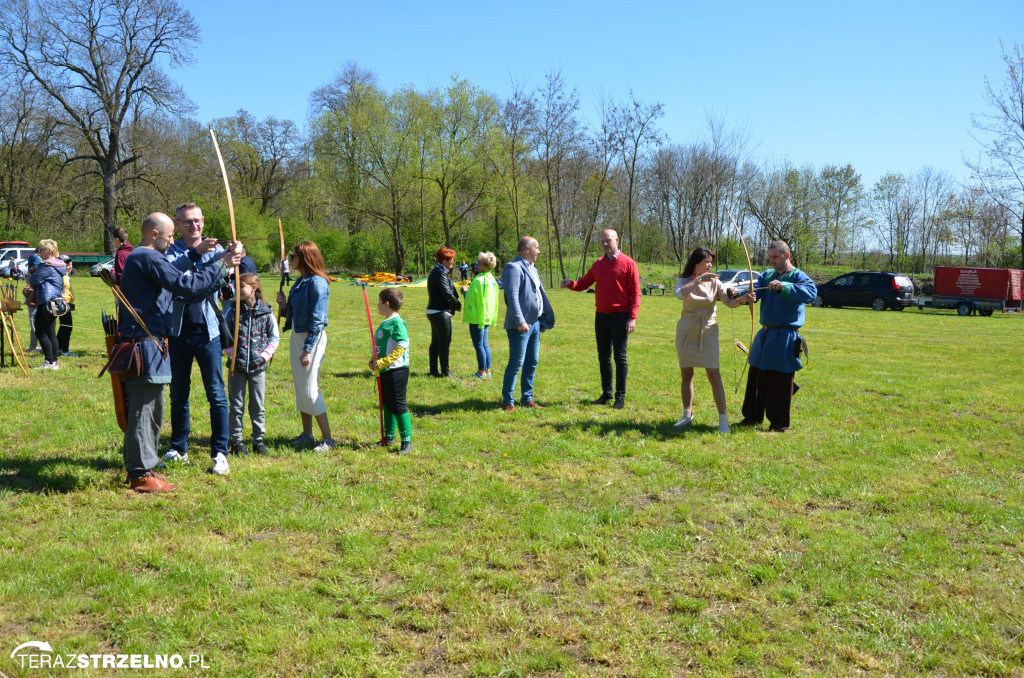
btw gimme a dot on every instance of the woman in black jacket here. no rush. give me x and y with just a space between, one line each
442 303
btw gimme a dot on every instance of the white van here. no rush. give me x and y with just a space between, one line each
10 254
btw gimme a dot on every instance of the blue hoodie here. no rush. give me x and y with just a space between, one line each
48 280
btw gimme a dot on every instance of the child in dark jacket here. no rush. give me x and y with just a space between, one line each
258 338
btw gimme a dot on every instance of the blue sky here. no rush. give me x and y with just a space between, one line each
886 86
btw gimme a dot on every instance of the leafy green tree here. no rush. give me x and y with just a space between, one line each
336 147
840 192
458 121
390 126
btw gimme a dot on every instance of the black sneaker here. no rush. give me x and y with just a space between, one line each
406 447
603 400
238 447
620 402
259 447
386 442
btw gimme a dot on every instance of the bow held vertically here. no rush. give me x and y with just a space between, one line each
234 238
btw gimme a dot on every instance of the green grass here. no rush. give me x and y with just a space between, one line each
881 534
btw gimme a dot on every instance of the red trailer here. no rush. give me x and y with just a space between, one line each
970 289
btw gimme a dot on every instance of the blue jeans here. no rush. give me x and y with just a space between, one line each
208 355
523 352
478 333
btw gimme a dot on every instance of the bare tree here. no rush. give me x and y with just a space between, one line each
1001 133
509 153
963 216
781 198
680 190
264 156
896 206
637 130
100 62
28 140
558 143
174 161
934 187
603 147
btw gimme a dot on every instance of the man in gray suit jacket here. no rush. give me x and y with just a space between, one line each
527 314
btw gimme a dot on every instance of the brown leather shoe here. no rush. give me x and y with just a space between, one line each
533 404
508 407
152 482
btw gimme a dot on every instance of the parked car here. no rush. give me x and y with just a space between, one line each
107 266
871 289
732 278
7 268
13 251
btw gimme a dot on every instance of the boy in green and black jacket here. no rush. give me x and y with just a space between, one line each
392 366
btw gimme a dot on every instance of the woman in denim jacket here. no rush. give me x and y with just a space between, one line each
306 317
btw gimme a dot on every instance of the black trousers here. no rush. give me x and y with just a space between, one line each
612 340
64 330
769 393
46 333
440 341
393 385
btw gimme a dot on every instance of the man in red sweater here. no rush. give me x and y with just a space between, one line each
617 303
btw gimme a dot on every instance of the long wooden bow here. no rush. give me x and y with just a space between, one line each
234 238
753 324
284 265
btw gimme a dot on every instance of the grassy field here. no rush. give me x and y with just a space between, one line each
882 534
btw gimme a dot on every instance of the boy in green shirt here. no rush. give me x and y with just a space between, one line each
392 338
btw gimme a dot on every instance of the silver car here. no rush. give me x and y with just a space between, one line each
107 266
733 278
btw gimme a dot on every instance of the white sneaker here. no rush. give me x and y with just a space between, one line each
174 455
220 465
325 444
723 423
54 366
685 421
44 366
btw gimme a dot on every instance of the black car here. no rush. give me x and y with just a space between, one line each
871 289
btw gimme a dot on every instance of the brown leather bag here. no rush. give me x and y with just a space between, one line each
125 361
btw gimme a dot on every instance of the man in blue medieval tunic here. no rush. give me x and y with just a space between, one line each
774 355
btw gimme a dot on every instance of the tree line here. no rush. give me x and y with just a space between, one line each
94 134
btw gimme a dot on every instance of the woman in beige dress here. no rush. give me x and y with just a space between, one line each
697 331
